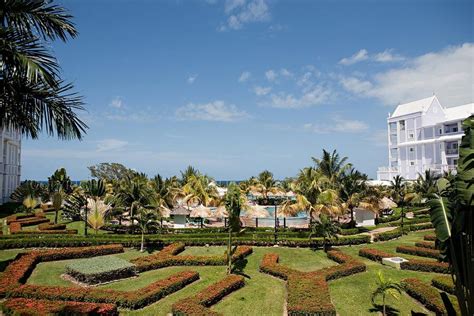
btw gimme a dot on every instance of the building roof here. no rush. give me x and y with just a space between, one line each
414 107
459 112
180 210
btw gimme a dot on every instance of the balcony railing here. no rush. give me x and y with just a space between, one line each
452 151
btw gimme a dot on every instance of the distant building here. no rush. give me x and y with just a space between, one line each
10 168
423 135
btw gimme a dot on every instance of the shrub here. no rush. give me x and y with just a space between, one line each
444 283
51 226
426 266
396 233
22 306
392 218
425 294
131 299
419 251
308 292
430 237
423 211
100 269
426 244
198 305
46 232
374 254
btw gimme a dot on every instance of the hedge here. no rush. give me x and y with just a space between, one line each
22 306
426 244
419 251
45 232
198 305
374 254
396 233
424 211
444 283
430 237
168 257
391 218
127 299
18 271
425 294
308 292
100 269
51 226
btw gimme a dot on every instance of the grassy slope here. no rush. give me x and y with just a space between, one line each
262 295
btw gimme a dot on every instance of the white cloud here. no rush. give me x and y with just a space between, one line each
314 96
241 12
110 144
271 75
260 91
117 103
448 73
379 138
357 57
356 85
387 56
338 125
191 78
286 73
213 111
244 76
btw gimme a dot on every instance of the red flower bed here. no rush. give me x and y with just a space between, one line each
426 244
14 227
425 294
15 218
46 232
20 269
22 306
418 251
308 292
430 237
374 254
198 305
426 266
444 283
128 299
168 257
51 226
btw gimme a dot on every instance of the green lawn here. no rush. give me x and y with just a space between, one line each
263 294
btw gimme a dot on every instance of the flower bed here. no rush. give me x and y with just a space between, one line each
396 233
430 237
374 254
426 244
45 232
22 306
51 226
444 283
308 292
168 257
100 269
198 305
18 271
419 251
425 294
127 299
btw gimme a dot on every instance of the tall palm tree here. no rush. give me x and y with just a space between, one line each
384 288
332 166
135 193
146 219
33 97
234 203
352 189
325 227
398 191
198 190
265 184
425 184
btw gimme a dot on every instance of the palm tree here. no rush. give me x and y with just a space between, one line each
352 190
33 97
326 228
385 287
99 210
265 184
146 219
92 189
30 203
234 203
332 166
425 185
398 190
57 198
198 190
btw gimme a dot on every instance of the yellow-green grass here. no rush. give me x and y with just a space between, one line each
263 294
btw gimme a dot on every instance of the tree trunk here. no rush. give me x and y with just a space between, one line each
56 216
383 305
85 221
142 246
229 256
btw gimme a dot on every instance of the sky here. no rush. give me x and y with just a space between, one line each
234 87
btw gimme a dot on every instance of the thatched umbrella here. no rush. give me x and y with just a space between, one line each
221 212
386 204
165 212
257 211
201 211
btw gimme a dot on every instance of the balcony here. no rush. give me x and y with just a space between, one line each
452 151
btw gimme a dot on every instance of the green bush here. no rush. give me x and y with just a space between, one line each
444 283
100 269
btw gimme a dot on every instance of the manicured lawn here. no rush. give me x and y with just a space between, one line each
262 294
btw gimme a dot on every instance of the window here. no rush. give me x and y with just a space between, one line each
402 125
411 135
412 163
412 149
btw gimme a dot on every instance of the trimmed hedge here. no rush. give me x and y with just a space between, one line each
419 251
396 233
100 269
426 244
18 271
198 305
444 283
127 299
425 294
45 232
51 226
430 237
308 292
23 306
168 257
374 254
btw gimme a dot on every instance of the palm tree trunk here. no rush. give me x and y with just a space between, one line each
383 305
352 215
229 248
142 246
56 216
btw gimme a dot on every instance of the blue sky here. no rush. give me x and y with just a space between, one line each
234 87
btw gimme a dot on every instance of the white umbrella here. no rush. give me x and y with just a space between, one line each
386 203
257 211
201 211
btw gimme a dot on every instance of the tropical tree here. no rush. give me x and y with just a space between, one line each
189 172
424 187
29 188
135 193
398 190
384 288
265 184
111 171
234 203
57 198
146 219
198 190
31 203
92 190
332 166
452 215
33 97
98 212
325 227
352 190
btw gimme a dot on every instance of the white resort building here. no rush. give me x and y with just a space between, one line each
423 135
10 168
